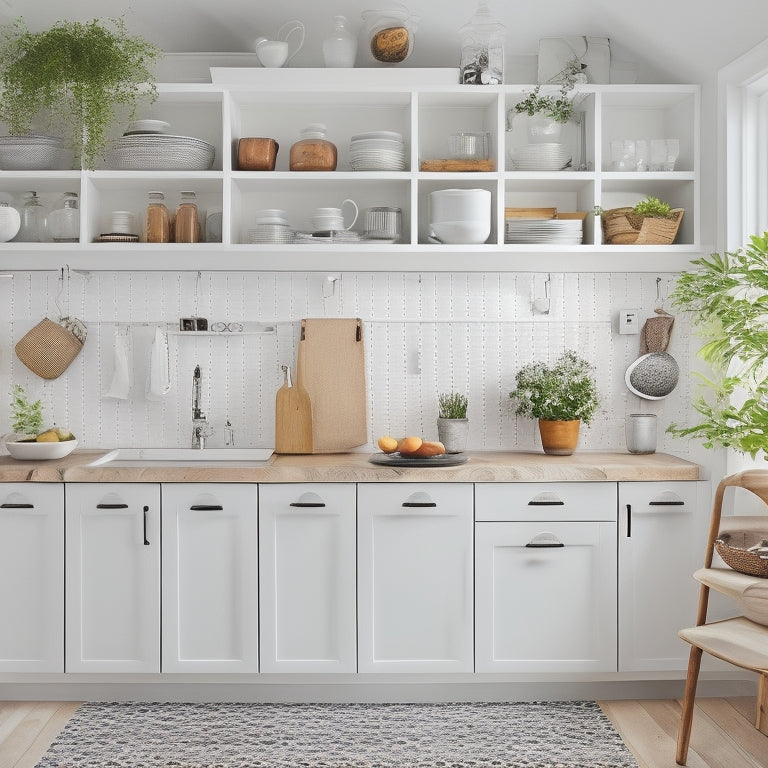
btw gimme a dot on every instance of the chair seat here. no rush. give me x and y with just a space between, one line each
738 641
750 592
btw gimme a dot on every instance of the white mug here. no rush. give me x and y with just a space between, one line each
325 219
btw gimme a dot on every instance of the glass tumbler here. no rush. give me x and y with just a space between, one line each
640 429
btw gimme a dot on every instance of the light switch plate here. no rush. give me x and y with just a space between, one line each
629 321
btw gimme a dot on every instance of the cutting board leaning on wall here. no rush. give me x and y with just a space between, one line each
331 367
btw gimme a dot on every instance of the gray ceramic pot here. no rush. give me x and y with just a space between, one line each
452 433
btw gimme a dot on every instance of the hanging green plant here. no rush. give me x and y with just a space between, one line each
74 76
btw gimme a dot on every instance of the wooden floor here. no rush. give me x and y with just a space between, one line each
723 734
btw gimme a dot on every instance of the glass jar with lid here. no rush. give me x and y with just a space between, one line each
64 222
340 48
158 220
186 227
482 48
313 151
34 224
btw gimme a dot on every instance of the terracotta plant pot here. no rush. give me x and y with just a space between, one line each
559 438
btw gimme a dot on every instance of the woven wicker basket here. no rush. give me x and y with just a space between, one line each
48 348
733 547
621 226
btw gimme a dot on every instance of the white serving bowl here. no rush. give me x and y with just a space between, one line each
461 232
450 205
146 126
27 451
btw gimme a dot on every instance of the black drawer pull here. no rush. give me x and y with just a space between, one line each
419 504
678 503
206 508
545 540
146 540
307 504
111 506
11 505
535 545
629 521
546 503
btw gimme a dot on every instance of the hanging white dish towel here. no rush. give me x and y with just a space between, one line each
159 378
122 378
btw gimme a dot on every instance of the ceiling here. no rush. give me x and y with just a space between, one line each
678 41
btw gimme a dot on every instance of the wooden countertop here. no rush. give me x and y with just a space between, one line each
482 467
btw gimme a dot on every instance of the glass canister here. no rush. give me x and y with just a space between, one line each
640 431
64 222
313 152
34 224
340 49
390 32
482 48
186 227
158 219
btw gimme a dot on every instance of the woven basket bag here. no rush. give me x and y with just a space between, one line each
621 226
48 348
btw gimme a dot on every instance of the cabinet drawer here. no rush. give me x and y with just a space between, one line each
545 501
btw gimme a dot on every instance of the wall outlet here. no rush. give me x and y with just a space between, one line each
629 321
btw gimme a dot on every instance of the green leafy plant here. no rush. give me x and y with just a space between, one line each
653 207
26 417
453 405
727 297
559 108
74 76
564 391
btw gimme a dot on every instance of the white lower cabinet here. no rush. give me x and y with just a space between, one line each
414 561
210 578
32 577
662 535
545 577
112 577
307 583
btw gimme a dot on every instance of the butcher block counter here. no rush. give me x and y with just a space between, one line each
481 467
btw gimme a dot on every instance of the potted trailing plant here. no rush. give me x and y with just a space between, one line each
452 422
547 114
727 297
649 222
560 396
74 76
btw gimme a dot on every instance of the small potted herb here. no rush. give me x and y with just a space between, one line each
452 422
560 396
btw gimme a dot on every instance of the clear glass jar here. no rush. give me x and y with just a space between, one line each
340 49
157 227
34 227
64 222
390 32
482 48
186 226
313 152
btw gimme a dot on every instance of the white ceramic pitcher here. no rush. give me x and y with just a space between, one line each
277 53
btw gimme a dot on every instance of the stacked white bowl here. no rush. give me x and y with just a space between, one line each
377 151
460 216
272 226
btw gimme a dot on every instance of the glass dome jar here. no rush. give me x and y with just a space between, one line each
64 222
482 48
313 152
390 32
34 221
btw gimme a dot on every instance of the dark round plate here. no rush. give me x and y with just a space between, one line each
396 460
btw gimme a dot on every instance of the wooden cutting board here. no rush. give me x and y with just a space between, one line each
331 368
293 418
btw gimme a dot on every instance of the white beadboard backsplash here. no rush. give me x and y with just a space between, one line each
424 334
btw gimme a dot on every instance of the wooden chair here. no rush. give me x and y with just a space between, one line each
742 641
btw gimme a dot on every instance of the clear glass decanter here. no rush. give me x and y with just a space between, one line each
340 49
64 222
33 221
482 48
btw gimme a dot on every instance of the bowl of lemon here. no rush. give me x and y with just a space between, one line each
54 443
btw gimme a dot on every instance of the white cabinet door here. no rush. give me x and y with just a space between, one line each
662 535
210 578
545 596
414 559
32 577
112 577
307 584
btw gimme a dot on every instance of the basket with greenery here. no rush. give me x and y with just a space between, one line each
73 77
564 391
727 298
650 222
453 405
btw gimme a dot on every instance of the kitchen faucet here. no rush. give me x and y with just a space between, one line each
200 426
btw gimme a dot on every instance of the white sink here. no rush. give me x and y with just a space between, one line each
125 457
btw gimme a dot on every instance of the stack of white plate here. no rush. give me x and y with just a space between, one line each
560 231
159 152
377 151
547 156
271 233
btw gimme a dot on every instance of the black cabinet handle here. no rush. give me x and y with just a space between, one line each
11 505
533 503
544 545
419 504
146 540
677 503
207 507
307 504
629 520
111 506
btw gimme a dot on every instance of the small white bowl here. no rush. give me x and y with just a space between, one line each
26 451
146 126
461 232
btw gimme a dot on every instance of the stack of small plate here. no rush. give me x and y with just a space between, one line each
271 233
159 152
560 231
377 151
547 156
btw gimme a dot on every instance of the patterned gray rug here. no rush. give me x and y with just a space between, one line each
512 735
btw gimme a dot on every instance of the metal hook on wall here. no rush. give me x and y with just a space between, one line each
542 305
659 309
